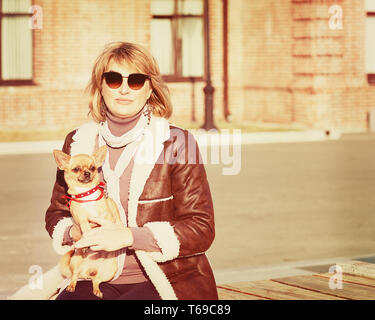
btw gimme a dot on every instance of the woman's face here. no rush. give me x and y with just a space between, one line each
124 102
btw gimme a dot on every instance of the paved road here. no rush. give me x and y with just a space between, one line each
289 202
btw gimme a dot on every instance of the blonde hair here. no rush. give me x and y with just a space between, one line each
139 57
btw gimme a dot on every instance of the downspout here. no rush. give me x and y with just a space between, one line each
227 115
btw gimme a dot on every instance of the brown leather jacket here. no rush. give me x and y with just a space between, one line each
188 213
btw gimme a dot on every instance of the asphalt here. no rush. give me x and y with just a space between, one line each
293 207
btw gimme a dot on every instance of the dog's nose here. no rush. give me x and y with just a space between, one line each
87 174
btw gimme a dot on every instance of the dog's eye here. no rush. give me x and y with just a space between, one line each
92 168
76 169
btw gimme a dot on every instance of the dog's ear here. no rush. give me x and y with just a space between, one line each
99 156
62 159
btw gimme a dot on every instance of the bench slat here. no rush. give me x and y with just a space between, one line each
321 284
351 278
277 291
227 294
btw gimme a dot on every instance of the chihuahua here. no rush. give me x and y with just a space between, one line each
87 200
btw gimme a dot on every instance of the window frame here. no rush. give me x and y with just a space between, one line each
177 76
370 76
17 82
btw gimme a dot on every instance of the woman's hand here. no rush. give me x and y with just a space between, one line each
108 237
76 233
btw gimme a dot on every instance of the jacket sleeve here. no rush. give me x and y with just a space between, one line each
58 217
191 230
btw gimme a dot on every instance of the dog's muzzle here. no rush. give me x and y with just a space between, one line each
85 178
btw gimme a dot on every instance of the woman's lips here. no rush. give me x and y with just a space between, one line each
124 101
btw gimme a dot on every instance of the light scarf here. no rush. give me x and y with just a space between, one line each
130 140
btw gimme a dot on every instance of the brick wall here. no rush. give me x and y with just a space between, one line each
286 65
73 34
265 37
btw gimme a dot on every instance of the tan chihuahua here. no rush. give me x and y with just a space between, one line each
87 200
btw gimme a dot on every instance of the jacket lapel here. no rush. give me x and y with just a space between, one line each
145 159
84 139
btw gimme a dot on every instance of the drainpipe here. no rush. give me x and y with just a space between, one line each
208 89
227 115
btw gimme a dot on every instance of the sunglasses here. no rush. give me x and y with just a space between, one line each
135 80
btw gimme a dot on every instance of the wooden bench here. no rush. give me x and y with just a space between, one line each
357 279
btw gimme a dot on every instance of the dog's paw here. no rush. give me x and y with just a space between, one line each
98 293
71 288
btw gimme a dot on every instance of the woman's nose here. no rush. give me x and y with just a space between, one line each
124 88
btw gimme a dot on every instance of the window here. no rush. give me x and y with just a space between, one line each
370 43
177 38
16 42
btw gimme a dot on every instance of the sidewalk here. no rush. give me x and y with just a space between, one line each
203 138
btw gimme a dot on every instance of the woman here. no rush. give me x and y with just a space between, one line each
154 175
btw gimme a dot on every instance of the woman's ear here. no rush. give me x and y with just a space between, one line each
149 94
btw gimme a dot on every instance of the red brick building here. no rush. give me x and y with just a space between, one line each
307 62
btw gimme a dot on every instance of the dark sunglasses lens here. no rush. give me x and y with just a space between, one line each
113 79
136 81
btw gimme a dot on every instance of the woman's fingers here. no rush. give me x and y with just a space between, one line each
87 241
100 221
81 244
94 225
93 237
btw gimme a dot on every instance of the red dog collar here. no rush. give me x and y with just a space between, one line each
76 197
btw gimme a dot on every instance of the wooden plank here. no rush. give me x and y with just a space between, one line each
228 294
358 268
278 291
351 278
320 284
